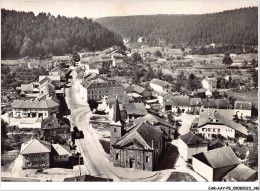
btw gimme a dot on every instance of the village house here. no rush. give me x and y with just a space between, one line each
60 153
62 72
132 110
46 91
189 144
138 90
195 104
34 108
29 88
178 104
159 86
139 147
55 80
97 91
223 104
109 101
160 124
61 61
36 154
209 83
55 127
209 103
87 54
242 109
219 121
162 98
213 165
94 67
241 173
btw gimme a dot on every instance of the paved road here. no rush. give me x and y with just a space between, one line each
94 156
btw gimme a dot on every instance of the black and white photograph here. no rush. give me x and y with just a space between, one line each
129 92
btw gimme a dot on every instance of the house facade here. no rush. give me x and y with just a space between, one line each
34 108
97 91
190 144
209 83
213 165
36 154
159 86
242 109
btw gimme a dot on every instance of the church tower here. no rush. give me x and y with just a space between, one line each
116 126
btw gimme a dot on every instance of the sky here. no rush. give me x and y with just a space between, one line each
97 9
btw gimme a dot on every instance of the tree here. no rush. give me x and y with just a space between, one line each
93 104
245 63
159 74
158 54
227 60
27 48
254 62
136 58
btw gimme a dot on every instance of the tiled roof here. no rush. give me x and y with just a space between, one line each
35 146
221 117
61 149
209 102
134 108
102 85
218 158
122 98
243 105
178 101
37 104
223 104
138 89
195 101
26 87
241 173
151 118
52 122
191 139
52 78
143 133
158 82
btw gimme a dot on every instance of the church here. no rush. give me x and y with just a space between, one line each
140 146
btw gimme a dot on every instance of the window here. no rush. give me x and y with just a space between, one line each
117 156
213 130
115 129
208 130
219 130
146 159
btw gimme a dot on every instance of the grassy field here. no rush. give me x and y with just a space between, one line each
251 96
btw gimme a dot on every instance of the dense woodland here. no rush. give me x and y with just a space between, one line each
237 27
25 34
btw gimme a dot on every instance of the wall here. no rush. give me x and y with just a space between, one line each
202 169
224 131
36 159
183 149
242 113
23 113
156 87
61 158
195 149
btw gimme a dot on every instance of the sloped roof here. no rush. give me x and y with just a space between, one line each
209 102
61 149
223 104
122 98
26 87
218 158
101 85
53 122
37 104
151 118
192 139
35 146
241 173
158 82
51 77
195 101
143 133
134 108
138 89
179 101
244 105
222 117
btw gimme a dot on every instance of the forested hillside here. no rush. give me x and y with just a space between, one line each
237 26
25 34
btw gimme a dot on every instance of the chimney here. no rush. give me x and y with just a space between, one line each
152 144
